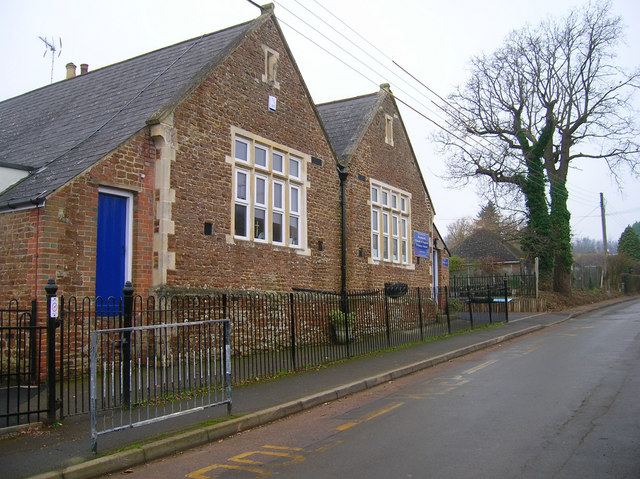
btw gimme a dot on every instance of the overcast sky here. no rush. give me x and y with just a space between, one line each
432 39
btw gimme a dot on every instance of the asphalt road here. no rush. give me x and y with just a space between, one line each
560 403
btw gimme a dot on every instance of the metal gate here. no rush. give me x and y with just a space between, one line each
24 394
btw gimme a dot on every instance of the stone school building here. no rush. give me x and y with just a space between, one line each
206 165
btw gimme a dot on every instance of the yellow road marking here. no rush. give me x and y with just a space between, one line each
295 458
283 448
370 416
480 366
199 474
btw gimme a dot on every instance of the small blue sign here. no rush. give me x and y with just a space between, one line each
421 244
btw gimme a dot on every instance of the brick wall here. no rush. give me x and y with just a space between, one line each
59 240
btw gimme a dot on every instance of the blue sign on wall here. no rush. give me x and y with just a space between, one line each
421 244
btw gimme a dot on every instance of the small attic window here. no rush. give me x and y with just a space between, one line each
270 74
388 129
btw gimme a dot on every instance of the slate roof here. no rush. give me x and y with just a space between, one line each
345 121
484 243
60 130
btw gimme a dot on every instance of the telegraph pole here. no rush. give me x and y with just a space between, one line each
604 242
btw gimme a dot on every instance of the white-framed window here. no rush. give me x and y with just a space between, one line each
241 151
260 156
375 233
294 167
241 203
269 185
277 215
390 224
404 240
260 230
277 162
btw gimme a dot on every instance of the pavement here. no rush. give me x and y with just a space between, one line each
65 451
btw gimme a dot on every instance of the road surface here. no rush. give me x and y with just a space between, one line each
561 403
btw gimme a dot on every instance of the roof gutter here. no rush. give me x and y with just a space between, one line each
22 205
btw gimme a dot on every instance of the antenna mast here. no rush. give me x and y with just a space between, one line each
51 48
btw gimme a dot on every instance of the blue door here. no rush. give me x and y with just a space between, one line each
111 245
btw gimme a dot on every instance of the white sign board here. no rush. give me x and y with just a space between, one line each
54 307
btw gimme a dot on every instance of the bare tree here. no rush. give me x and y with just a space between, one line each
551 96
458 231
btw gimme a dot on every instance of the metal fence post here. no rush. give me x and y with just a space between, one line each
125 343
446 293
34 366
420 315
470 305
227 362
92 391
388 323
292 313
506 302
52 314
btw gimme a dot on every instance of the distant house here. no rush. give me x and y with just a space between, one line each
485 251
206 165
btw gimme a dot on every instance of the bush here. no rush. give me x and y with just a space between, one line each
338 319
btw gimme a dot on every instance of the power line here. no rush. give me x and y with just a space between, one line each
577 194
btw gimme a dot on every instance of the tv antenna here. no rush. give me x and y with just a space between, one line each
51 48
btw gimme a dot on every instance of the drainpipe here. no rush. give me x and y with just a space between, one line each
342 174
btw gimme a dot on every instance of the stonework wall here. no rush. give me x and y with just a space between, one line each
58 240
376 159
236 96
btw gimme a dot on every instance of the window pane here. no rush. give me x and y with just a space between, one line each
294 167
241 220
278 162
278 189
375 239
261 191
242 151
241 185
261 156
293 230
259 224
277 227
294 200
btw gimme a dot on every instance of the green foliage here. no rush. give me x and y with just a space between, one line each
454 305
629 243
536 241
338 319
561 237
455 264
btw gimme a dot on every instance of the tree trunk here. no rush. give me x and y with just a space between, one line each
561 237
